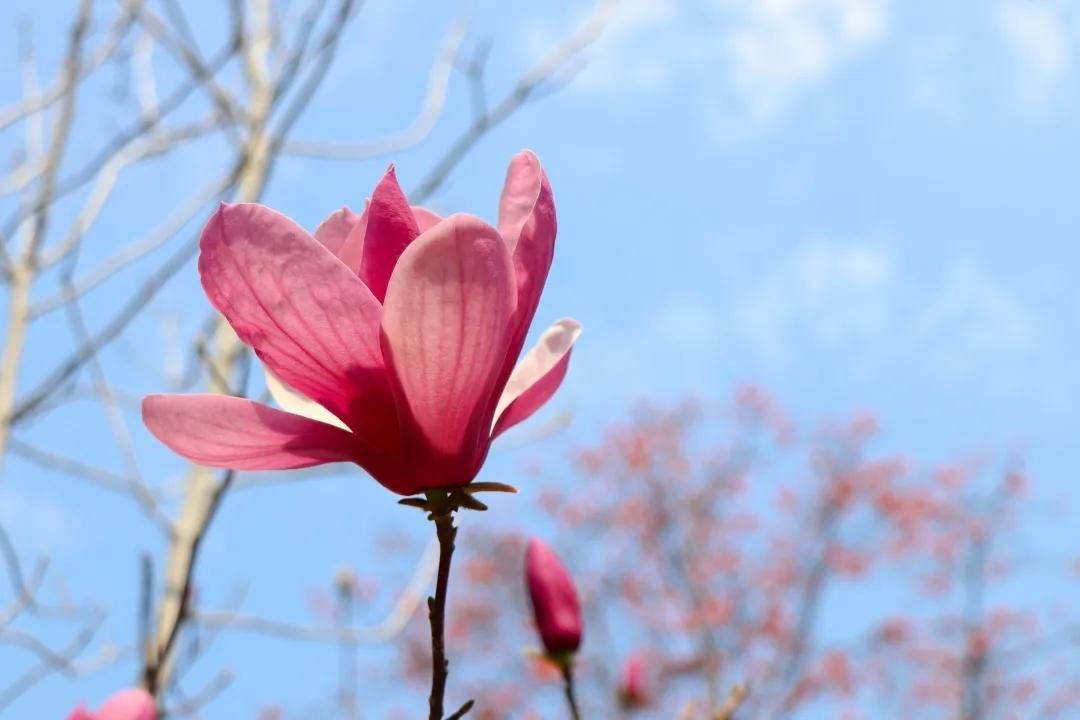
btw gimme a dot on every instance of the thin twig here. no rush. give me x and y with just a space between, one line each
25 269
520 94
389 627
37 102
734 701
430 112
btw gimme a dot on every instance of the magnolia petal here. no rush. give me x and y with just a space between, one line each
291 401
444 330
521 190
231 432
425 219
533 243
390 228
334 230
527 223
132 704
537 376
304 313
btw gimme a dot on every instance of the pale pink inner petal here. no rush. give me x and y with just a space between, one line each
333 231
425 219
445 323
296 403
527 223
232 432
537 376
305 314
519 194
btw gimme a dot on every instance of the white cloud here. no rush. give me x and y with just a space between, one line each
776 49
37 523
967 326
753 60
973 323
856 308
827 294
1039 35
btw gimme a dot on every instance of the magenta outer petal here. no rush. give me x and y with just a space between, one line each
80 713
310 319
390 228
133 704
444 336
231 432
554 599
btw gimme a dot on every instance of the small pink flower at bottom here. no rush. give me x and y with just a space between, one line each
554 600
391 338
131 704
633 685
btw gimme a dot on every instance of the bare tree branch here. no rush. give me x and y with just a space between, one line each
389 627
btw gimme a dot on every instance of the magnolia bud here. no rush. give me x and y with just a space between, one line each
554 600
633 692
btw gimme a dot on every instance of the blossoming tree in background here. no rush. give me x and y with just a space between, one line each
733 566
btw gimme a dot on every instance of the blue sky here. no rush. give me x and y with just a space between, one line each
855 203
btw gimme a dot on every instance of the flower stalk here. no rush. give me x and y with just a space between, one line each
446 532
568 689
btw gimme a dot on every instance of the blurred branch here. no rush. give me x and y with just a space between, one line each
64 660
519 95
430 112
404 608
36 102
731 705
25 267
24 590
192 704
102 157
152 145
133 252
204 74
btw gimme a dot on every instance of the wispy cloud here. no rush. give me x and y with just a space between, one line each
975 328
826 294
1041 38
37 522
859 303
754 60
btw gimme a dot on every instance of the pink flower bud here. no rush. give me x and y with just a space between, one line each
554 599
131 704
633 690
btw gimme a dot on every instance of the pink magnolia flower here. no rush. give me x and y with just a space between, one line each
389 337
554 600
633 683
131 704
